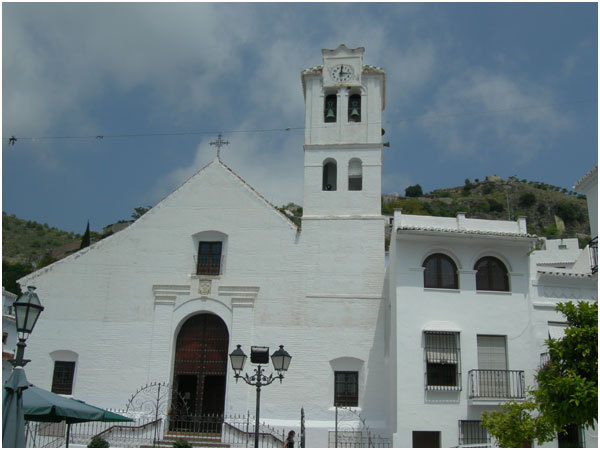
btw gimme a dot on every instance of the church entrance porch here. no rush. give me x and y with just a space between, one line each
199 375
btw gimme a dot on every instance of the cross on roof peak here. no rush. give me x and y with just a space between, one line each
219 143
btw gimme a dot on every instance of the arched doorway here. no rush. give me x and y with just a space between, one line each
200 367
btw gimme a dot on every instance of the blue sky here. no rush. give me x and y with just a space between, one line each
472 90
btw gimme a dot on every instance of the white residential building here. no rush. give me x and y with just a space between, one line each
215 264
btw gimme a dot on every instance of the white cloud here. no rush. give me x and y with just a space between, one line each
483 112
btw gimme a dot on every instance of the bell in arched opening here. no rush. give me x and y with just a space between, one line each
354 108
330 108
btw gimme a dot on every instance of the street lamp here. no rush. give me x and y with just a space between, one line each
27 311
259 355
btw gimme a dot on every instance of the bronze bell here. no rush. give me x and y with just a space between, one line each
355 114
330 112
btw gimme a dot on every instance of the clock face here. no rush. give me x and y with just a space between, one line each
342 73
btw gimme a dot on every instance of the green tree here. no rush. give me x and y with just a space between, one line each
518 424
140 211
567 392
11 272
527 199
85 240
414 191
568 384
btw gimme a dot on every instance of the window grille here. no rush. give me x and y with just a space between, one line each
471 432
209 258
62 380
346 389
442 355
330 110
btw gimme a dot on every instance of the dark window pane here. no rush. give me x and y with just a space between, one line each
440 272
491 275
62 380
346 389
209 258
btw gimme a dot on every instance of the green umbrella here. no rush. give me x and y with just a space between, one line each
40 405
13 423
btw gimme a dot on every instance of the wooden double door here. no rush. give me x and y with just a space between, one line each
200 367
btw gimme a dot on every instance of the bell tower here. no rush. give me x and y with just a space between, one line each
342 223
344 100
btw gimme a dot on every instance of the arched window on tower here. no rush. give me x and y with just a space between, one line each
355 175
491 275
329 175
330 112
354 112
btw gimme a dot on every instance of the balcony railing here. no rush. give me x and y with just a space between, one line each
496 384
209 264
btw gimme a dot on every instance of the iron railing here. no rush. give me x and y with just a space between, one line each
209 264
471 433
500 384
204 431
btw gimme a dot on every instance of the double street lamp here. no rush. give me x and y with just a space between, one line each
27 311
259 355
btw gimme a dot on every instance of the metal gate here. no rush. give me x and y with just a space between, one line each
199 374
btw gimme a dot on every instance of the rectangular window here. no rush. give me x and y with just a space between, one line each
426 439
346 389
62 380
442 356
472 433
4 338
209 258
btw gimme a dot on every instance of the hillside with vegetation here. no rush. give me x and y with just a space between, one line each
551 211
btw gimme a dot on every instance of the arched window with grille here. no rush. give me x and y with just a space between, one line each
330 110
440 272
491 275
329 175
355 175
354 112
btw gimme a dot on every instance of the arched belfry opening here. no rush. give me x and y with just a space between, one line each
200 368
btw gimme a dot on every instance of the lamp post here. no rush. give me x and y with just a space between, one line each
259 355
27 312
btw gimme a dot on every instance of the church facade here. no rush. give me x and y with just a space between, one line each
416 346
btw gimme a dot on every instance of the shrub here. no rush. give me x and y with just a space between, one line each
527 199
181 443
541 208
495 206
567 211
98 442
488 188
414 191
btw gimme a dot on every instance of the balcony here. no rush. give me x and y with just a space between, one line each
496 385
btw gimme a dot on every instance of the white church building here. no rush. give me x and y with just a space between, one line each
452 325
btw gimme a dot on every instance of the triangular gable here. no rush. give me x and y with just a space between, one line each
144 217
